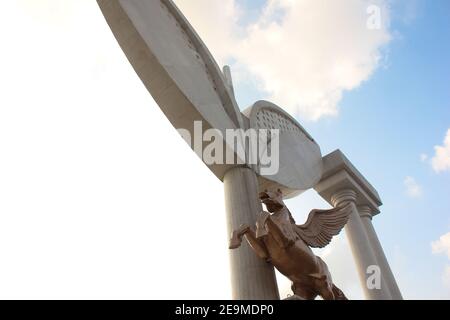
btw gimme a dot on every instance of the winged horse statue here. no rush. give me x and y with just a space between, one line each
287 246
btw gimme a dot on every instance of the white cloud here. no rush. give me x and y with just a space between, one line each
304 54
441 160
413 189
307 58
217 23
442 245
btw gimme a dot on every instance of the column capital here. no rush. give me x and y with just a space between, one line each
365 211
343 196
339 176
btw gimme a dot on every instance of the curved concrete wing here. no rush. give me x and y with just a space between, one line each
174 64
300 159
186 82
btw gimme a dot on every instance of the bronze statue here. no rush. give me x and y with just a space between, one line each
286 245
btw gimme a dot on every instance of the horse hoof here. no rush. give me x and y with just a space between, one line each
234 243
234 246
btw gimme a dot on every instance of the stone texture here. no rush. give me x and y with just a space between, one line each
360 245
366 217
300 159
342 183
251 277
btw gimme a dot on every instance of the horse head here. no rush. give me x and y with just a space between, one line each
273 200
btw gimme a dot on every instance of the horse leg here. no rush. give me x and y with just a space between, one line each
277 234
236 236
333 293
257 244
327 294
304 292
261 230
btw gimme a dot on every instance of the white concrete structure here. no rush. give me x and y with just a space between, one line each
251 277
186 82
300 159
366 216
341 183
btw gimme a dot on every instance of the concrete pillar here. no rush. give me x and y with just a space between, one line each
360 245
251 277
366 217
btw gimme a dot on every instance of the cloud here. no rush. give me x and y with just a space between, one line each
217 22
413 189
442 245
423 157
303 54
441 160
307 58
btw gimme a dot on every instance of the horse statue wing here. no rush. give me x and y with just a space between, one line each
322 225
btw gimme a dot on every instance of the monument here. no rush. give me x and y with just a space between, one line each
190 88
282 243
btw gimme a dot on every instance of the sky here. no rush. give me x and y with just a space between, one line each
101 198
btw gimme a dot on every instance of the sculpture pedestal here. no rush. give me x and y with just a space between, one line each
251 277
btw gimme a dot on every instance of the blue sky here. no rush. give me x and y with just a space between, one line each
402 112
384 126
